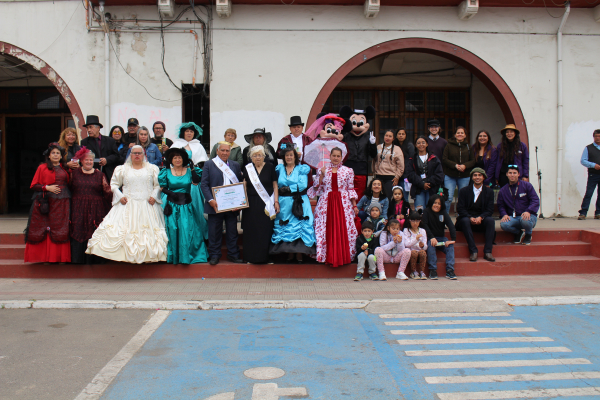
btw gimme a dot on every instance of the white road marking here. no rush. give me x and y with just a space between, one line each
464 330
506 350
264 373
475 340
521 394
502 364
513 378
455 322
449 315
106 375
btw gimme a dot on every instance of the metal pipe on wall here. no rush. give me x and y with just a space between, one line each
559 118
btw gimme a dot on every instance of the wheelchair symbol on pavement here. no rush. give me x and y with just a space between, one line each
265 391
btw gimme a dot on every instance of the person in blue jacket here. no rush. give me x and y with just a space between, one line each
153 154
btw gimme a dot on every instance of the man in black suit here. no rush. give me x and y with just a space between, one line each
104 147
475 208
213 176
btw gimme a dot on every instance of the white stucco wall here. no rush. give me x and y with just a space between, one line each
263 77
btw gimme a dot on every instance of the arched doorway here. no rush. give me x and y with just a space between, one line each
483 71
35 105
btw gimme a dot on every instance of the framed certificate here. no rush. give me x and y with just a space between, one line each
230 197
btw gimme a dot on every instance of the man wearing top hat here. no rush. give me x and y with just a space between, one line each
132 129
296 138
103 147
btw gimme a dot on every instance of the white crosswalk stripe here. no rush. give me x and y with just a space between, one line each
464 330
455 322
502 364
522 394
445 315
515 339
464 352
513 378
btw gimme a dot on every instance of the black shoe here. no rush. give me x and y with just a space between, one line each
473 257
489 257
235 260
213 261
518 237
526 239
450 275
433 274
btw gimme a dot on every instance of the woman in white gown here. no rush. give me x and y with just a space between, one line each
134 229
189 133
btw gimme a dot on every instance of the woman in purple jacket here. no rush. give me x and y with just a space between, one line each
485 155
511 152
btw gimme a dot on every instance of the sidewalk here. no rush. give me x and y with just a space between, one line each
297 289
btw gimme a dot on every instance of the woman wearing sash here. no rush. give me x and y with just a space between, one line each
189 133
294 232
334 216
134 229
257 219
183 206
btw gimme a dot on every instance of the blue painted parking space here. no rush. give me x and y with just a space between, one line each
532 352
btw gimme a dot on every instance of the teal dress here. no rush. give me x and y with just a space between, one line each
292 234
186 227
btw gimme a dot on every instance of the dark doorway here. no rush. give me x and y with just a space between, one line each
196 108
26 140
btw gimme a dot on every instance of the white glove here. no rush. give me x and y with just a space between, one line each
372 138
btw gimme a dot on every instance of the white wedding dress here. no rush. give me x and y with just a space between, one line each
133 232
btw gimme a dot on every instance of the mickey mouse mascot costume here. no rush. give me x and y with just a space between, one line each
360 145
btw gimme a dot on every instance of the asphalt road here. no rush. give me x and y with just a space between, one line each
54 354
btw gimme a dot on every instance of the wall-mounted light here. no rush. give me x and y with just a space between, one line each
467 9
166 8
371 8
223 8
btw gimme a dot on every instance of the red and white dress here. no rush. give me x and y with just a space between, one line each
334 217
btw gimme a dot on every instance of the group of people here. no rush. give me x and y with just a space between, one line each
123 207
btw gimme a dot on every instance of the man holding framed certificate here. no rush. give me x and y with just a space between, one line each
224 196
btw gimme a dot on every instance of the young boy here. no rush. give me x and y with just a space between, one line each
365 248
376 218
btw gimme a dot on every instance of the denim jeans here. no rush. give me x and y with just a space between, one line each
450 183
516 224
432 256
421 199
592 182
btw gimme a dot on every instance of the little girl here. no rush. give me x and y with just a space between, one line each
416 240
399 206
391 249
374 193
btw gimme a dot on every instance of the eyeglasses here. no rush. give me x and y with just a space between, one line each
257 156
137 154
513 166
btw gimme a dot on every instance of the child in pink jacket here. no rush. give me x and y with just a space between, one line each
391 249
415 239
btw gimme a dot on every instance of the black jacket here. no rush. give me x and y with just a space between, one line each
373 244
359 151
405 208
434 175
108 151
466 198
434 227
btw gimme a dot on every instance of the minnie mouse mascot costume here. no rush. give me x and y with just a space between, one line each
360 145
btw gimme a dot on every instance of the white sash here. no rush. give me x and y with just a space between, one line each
262 192
226 170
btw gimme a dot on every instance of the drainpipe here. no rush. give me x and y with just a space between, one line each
106 66
560 139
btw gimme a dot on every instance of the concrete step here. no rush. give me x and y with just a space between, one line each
463 267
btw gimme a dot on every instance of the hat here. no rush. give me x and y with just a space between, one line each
189 125
480 170
367 225
176 151
267 135
514 166
433 122
132 121
296 120
510 126
375 205
92 120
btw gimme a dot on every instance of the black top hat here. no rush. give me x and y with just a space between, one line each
176 151
133 121
296 120
433 122
267 135
92 120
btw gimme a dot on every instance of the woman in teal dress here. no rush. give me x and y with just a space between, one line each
183 205
294 232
